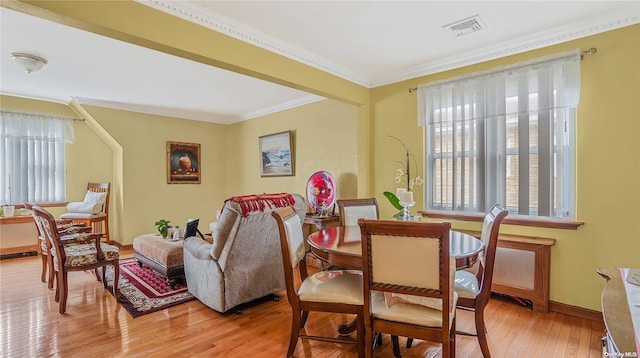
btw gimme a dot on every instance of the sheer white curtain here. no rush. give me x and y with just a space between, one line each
503 136
33 157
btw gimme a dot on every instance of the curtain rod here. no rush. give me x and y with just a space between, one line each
591 51
43 115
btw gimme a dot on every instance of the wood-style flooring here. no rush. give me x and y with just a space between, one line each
96 326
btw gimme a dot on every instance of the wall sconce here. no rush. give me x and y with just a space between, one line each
30 63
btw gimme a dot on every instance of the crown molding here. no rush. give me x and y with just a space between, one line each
154 110
523 44
197 116
280 107
227 26
214 21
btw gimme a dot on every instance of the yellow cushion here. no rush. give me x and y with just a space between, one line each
466 284
339 286
408 312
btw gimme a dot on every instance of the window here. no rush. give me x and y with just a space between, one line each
503 136
32 158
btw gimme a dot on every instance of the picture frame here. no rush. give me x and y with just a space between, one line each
183 163
276 154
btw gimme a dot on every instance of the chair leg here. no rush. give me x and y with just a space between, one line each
57 295
303 319
104 276
396 346
52 272
63 287
116 277
369 341
409 342
295 333
452 338
360 336
481 330
43 276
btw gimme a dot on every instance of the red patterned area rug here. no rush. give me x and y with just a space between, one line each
143 290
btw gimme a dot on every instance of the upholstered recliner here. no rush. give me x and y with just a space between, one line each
244 262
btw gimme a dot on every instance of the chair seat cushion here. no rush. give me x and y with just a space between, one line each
466 284
86 254
409 313
340 286
82 216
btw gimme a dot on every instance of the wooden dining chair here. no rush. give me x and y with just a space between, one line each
100 221
76 252
337 291
474 285
64 227
353 209
408 282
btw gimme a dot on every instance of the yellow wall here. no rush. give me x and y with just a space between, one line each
324 135
608 168
146 196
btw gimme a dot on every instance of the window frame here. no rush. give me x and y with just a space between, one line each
539 100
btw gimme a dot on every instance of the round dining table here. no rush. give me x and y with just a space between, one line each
341 246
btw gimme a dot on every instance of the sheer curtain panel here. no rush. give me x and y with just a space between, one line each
504 136
33 157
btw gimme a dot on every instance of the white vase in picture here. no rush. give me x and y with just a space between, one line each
8 210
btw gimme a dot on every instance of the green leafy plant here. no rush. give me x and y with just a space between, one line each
404 172
393 199
403 176
163 227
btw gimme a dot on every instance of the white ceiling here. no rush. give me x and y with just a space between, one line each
371 43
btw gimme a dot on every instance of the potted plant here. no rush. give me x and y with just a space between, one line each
163 227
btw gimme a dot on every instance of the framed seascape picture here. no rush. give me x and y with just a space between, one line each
276 155
183 163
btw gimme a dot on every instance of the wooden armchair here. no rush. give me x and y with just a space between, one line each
100 221
64 227
337 291
408 282
76 252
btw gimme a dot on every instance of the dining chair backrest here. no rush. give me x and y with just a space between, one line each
47 223
409 260
41 235
353 209
489 237
292 247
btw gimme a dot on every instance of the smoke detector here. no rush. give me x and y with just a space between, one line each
465 26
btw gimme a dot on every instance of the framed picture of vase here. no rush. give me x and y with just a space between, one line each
276 155
183 163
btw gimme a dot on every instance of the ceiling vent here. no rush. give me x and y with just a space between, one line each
465 26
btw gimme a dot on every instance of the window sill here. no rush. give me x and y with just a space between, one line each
51 204
514 220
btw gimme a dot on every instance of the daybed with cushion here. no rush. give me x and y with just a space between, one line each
244 262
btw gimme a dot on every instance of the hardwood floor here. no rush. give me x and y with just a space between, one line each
94 325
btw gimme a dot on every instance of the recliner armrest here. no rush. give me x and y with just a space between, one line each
198 248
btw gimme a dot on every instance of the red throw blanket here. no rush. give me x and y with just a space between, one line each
257 202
